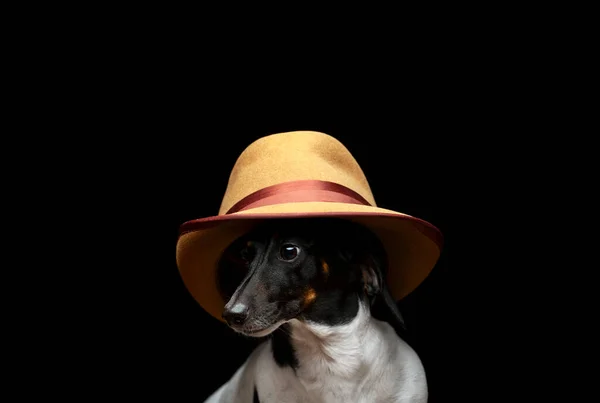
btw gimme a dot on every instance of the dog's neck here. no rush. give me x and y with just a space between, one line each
344 351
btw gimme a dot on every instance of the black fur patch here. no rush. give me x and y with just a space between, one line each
283 352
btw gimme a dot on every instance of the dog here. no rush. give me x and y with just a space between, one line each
315 289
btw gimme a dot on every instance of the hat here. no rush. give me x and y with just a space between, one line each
296 175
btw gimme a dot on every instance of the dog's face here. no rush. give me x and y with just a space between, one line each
308 269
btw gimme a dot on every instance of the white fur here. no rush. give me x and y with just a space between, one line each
363 361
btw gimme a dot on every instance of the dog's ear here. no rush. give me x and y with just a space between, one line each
363 249
372 279
383 305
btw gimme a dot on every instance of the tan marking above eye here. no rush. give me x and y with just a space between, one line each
309 296
325 267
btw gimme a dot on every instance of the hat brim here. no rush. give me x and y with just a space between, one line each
413 245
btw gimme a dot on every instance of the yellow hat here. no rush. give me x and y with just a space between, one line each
295 175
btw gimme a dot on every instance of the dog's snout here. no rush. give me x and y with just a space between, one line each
236 315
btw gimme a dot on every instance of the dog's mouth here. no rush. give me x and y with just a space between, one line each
258 331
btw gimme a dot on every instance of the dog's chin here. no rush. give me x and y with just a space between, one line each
259 331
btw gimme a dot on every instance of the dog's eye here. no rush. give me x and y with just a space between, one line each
289 252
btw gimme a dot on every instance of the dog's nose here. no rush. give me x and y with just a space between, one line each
236 315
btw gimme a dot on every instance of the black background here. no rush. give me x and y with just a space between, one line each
131 128
154 141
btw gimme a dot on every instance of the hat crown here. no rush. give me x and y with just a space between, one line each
293 156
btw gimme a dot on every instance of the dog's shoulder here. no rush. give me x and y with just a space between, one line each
407 380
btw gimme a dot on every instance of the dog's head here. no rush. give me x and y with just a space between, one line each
309 269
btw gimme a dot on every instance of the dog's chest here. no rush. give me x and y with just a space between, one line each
310 383
283 385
